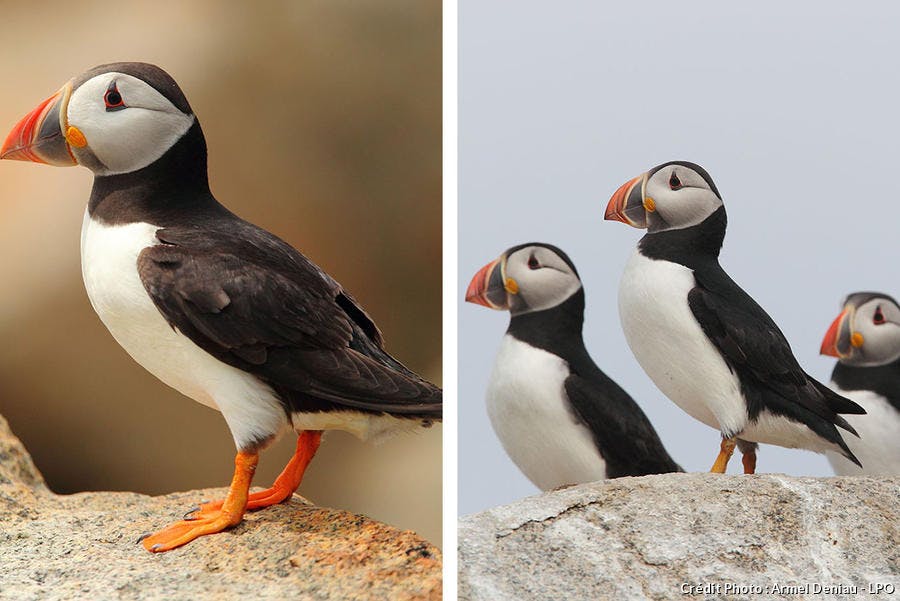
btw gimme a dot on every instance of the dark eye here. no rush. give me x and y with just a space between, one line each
533 263
113 99
674 182
878 319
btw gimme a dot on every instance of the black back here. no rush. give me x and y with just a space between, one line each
749 340
247 297
624 436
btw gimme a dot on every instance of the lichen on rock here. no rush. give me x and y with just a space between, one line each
84 546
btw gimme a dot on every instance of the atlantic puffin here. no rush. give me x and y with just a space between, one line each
865 338
559 417
704 342
216 307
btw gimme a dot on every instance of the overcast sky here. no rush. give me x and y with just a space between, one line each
794 110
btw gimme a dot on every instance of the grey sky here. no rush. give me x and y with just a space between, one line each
794 110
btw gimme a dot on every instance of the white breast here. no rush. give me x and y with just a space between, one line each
527 406
109 267
878 447
669 344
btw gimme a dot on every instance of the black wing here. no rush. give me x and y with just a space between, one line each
254 302
757 351
622 433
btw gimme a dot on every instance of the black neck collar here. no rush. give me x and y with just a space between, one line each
159 192
556 330
688 246
882 379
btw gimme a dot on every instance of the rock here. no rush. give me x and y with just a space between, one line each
83 546
16 466
648 537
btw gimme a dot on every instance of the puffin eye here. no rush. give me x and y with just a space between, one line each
113 99
674 182
878 319
533 263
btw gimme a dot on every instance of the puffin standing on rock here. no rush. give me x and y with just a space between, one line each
704 342
217 308
560 419
865 338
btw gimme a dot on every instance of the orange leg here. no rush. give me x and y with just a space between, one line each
749 461
285 484
748 455
725 451
230 514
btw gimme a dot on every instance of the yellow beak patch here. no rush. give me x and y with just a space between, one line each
75 137
511 286
857 339
649 205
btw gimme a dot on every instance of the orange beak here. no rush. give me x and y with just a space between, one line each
627 204
837 342
486 288
39 135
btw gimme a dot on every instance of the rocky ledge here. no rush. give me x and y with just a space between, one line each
83 546
701 536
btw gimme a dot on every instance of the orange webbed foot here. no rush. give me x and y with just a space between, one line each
184 531
228 514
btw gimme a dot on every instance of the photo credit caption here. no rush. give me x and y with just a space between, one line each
776 588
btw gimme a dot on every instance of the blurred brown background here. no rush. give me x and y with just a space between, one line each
323 120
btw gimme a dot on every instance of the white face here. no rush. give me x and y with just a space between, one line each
544 280
677 197
127 124
878 320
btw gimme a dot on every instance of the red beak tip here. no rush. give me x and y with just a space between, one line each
829 342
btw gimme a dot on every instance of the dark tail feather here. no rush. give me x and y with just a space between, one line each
838 403
846 450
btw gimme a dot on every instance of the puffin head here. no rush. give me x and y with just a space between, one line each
867 331
524 279
113 119
672 196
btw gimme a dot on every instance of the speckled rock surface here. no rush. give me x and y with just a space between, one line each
648 538
83 546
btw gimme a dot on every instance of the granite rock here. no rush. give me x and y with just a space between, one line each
84 546
654 537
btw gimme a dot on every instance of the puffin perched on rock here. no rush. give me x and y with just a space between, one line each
217 308
704 342
560 419
865 338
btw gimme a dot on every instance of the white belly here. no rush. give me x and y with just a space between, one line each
109 268
671 347
878 447
525 401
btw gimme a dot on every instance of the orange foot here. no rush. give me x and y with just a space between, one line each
284 486
230 512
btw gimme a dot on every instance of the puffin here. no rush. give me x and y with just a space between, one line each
559 417
217 308
705 343
865 339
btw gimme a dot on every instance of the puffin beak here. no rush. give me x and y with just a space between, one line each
487 287
627 204
839 341
41 135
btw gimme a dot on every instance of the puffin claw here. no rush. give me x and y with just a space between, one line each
142 537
